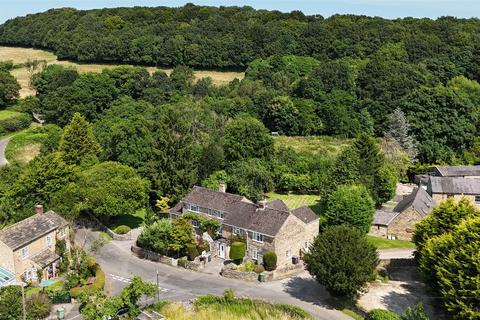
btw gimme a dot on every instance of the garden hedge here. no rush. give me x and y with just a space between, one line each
237 252
381 314
122 229
270 261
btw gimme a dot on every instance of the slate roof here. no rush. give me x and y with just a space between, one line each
45 258
305 214
457 171
30 229
453 185
419 200
384 217
238 211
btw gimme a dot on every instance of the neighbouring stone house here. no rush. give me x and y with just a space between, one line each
29 245
399 223
455 171
442 188
266 226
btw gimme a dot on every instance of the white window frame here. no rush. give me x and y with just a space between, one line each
49 240
257 237
477 198
288 254
25 252
195 223
238 231
62 232
254 253
194 208
216 213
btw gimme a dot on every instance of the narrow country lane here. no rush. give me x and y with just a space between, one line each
178 284
3 146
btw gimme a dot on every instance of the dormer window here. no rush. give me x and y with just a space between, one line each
216 213
192 207
257 237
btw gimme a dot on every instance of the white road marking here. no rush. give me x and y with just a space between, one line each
121 279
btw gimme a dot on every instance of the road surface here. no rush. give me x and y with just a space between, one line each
3 146
179 284
396 253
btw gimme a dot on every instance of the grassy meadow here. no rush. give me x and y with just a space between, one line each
317 145
25 145
20 55
293 200
210 307
8 114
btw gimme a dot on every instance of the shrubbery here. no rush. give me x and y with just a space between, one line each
381 314
270 260
38 306
122 229
237 252
14 122
192 251
97 285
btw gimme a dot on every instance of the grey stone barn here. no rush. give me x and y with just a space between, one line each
399 223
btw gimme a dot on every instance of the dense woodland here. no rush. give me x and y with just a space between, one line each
403 91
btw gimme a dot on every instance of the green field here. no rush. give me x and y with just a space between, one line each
382 243
25 145
7 114
319 145
132 221
294 201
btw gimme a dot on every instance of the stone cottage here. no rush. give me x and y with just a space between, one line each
29 245
265 226
400 222
442 188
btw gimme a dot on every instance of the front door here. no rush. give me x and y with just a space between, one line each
221 250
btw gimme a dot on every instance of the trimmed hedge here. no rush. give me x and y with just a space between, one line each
237 252
270 261
97 285
122 229
14 121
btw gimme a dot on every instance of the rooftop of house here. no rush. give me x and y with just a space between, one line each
243 213
457 171
419 200
384 217
30 229
454 185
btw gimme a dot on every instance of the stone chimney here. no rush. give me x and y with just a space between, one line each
262 204
39 209
222 187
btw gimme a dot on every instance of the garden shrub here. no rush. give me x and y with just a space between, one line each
60 296
259 268
122 229
270 261
192 251
182 262
97 285
237 252
38 306
249 266
381 314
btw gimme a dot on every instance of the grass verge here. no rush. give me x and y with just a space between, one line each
132 221
25 145
382 243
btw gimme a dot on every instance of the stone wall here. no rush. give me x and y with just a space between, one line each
157 257
378 231
277 274
403 225
117 237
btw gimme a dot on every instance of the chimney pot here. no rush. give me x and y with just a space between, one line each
222 187
262 204
39 209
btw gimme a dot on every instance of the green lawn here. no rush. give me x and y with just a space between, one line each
133 221
382 243
294 201
321 145
25 145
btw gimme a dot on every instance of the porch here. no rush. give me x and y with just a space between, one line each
47 261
